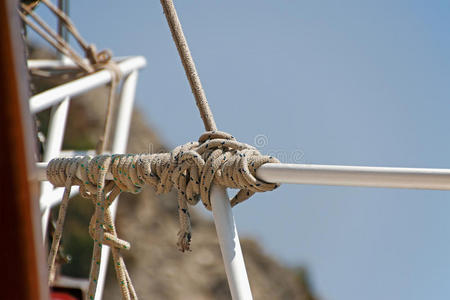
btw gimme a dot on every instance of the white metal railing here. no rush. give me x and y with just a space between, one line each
58 98
55 95
388 177
385 177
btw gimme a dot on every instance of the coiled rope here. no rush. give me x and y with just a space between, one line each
217 158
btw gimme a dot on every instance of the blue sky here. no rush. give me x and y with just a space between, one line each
341 82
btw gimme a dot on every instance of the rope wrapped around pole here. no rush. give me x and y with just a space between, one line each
217 158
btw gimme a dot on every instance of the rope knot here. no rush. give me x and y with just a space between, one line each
218 158
192 169
97 58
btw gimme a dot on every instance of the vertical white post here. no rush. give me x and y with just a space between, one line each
229 244
125 111
119 147
55 136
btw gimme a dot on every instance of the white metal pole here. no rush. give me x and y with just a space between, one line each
119 146
386 177
56 128
229 244
51 64
125 112
54 197
54 95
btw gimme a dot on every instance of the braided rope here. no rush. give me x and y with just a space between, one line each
93 185
188 64
217 158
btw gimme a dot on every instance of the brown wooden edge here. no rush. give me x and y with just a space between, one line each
22 260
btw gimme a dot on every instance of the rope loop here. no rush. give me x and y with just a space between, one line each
98 59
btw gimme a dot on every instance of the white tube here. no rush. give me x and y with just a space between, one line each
387 177
72 153
229 244
52 63
65 63
54 95
54 197
125 112
58 117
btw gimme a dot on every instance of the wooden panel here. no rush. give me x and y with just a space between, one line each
21 251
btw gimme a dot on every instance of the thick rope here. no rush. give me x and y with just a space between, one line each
217 158
188 64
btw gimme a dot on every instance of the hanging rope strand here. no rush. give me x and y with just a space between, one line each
107 126
71 165
59 45
188 64
67 23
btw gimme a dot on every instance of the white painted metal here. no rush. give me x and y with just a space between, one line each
52 96
54 197
67 63
72 153
125 110
387 177
229 244
120 142
51 63
57 125
223 218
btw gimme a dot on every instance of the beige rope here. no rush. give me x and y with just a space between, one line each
67 23
70 167
188 64
101 228
217 158
97 60
53 39
107 127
